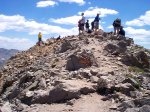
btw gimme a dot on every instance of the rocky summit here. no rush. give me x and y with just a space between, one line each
86 73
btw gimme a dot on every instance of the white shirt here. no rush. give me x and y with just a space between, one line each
83 19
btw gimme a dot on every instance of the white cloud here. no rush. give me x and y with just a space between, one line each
46 3
137 34
141 21
72 20
15 43
110 27
90 14
80 2
30 26
140 36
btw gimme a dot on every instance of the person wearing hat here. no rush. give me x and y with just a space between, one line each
96 22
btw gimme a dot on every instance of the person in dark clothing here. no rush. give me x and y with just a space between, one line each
117 25
92 25
96 22
87 25
122 32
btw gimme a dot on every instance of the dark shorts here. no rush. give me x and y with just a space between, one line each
40 39
81 27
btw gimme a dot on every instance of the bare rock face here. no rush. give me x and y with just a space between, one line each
81 59
116 48
139 59
65 46
64 90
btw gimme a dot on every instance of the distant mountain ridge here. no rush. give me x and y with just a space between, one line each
5 54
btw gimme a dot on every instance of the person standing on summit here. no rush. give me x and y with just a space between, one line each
81 23
39 38
96 22
87 25
117 26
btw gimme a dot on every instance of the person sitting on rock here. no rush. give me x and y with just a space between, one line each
58 38
122 32
96 22
39 38
81 24
117 25
87 25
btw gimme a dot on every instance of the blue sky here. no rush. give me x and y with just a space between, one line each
21 20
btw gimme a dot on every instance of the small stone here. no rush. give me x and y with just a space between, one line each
148 86
94 79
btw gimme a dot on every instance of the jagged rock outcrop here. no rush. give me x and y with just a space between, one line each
81 59
65 70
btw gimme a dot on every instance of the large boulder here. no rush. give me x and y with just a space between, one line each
139 59
116 48
104 82
81 59
66 45
63 91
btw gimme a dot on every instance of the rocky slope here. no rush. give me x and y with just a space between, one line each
5 54
86 73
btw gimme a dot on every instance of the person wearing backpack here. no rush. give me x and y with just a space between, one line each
117 25
81 24
96 22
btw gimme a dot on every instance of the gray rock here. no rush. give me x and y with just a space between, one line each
64 90
42 83
145 108
132 81
103 82
94 79
94 72
66 45
125 88
116 48
81 59
136 94
129 41
142 101
6 107
148 86
126 104
132 110
139 59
